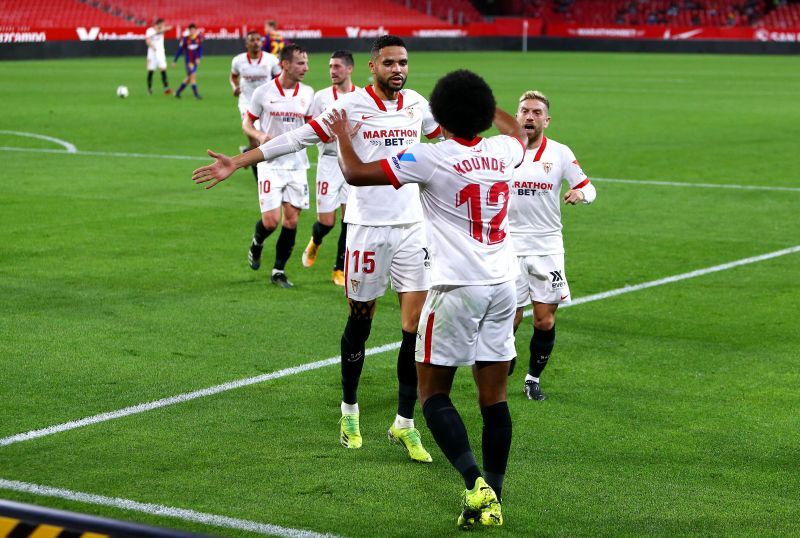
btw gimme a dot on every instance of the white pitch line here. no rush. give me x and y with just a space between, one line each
161 510
601 179
180 398
107 153
697 185
185 397
676 278
68 148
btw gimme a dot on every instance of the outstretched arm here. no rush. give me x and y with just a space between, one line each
355 171
223 166
508 124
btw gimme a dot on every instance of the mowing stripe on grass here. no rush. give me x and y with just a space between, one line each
74 151
161 510
185 397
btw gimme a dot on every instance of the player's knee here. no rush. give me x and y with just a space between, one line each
269 221
544 323
327 219
357 330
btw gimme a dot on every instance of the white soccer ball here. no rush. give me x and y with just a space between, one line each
122 91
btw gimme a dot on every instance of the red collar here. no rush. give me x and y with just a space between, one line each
336 94
468 143
541 149
280 88
259 58
379 102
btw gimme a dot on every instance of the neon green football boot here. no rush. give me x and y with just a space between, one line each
349 431
410 439
492 515
474 502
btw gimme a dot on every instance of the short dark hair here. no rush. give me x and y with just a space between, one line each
386 41
192 25
344 55
463 103
158 20
252 32
287 52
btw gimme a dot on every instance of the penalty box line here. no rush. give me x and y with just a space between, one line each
161 510
74 151
224 387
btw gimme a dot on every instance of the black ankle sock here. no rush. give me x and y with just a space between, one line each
284 246
496 444
355 336
450 434
541 347
341 248
319 231
262 232
164 79
407 376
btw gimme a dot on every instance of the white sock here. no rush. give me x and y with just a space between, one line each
349 409
529 377
403 422
275 272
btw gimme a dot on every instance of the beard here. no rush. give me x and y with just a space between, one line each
386 85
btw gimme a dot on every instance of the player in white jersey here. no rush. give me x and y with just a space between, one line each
249 70
468 317
280 106
535 220
385 235
332 190
156 55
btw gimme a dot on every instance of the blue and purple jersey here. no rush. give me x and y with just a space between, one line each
192 49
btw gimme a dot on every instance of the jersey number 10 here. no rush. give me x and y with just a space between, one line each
497 196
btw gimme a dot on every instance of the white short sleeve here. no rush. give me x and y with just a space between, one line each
256 108
573 172
410 166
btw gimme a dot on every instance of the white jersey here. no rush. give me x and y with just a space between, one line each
386 127
464 189
322 100
253 73
279 112
535 210
156 38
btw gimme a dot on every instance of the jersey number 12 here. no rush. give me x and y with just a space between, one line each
497 196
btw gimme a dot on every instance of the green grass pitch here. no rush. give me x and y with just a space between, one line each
672 410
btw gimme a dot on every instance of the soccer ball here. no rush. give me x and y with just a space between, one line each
122 91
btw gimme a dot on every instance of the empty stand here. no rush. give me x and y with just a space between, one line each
56 14
288 13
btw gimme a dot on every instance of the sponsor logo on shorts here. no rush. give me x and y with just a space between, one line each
558 281
564 296
426 261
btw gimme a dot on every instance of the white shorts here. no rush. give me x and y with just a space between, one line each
276 186
156 60
332 189
542 279
377 253
243 115
463 324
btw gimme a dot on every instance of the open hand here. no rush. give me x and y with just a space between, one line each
220 170
338 124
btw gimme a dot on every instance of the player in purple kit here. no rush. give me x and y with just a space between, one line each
191 47
468 316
